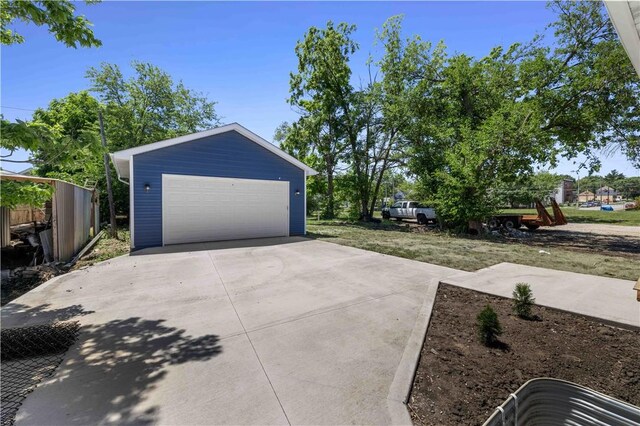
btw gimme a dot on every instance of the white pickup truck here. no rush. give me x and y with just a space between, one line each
410 210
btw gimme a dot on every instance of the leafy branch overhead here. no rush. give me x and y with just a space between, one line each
58 16
17 193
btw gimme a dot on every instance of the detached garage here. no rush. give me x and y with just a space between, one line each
221 184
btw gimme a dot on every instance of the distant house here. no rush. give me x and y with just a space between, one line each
585 196
565 193
606 194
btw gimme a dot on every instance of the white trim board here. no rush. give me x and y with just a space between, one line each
131 204
628 27
122 158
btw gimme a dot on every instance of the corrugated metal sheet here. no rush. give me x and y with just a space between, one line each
71 217
553 402
226 155
5 225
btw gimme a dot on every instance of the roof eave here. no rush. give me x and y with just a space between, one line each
628 28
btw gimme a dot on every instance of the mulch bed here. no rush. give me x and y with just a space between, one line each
461 381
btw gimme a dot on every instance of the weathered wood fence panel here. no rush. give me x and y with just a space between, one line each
25 214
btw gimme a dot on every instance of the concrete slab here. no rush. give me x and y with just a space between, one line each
608 299
269 331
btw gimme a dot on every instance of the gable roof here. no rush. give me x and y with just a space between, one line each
605 189
121 159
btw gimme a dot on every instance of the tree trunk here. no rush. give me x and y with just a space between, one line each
383 169
107 172
330 208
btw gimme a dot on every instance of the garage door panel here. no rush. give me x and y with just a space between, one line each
197 209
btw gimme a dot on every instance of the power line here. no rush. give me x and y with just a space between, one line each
20 109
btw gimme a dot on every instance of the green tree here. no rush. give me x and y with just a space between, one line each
17 193
145 108
59 16
47 144
591 183
629 187
389 108
46 140
497 117
322 93
149 106
614 179
74 122
528 188
296 140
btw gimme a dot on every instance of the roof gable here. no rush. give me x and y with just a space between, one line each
121 159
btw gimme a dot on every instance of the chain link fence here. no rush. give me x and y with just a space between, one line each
29 355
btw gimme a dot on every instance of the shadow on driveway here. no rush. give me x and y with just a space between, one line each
110 370
219 245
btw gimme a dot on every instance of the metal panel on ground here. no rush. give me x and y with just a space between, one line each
199 208
547 401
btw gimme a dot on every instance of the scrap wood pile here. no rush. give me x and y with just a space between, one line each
18 281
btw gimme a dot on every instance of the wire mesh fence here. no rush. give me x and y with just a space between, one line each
28 355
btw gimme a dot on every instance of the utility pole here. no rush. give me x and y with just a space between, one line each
578 197
107 173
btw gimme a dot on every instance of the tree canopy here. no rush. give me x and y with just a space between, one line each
464 128
63 139
149 106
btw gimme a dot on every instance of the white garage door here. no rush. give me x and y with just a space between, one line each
198 208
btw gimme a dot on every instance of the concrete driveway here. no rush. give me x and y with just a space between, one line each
277 331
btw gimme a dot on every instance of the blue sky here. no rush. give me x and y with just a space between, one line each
240 54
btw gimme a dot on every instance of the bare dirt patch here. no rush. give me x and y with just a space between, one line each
612 240
591 237
461 381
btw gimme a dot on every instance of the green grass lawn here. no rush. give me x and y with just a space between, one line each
467 253
574 215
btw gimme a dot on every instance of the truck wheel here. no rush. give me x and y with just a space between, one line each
509 224
532 227
494 223
422 219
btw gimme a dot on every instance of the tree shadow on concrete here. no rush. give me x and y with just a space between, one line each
19 315
107 376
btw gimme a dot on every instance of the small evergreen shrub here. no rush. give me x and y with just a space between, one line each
489 327
523 300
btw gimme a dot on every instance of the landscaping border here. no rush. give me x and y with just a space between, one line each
402 384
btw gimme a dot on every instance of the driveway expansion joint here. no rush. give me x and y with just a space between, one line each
249 339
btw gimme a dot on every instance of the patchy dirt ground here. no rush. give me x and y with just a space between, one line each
591 237
106 248
23 280
460 381
606 239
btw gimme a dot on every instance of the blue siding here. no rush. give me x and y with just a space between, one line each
226 155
